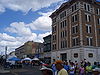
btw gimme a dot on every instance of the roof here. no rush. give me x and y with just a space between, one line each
68 3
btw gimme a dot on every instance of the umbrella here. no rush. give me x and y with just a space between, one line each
14 59
26 59
35 59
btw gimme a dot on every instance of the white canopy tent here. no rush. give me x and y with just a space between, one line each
35 59
27 59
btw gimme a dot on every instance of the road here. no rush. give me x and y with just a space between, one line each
27 70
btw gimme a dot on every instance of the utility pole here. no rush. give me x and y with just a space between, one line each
5 53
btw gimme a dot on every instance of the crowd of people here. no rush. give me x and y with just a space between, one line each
59 67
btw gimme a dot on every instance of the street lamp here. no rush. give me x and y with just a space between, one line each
5 55
6 52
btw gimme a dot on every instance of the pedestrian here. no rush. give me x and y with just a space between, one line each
59 67
54 69
46 71
66 66
76 67
72 69
82 70
89 69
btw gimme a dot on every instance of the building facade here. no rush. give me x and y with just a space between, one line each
26 50
47 49
76 31
39 51
11 54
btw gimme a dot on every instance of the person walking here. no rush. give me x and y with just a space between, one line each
46 71
89 69
72 69
82 70
66 66
59 67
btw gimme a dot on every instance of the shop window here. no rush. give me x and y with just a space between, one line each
75 55
90 55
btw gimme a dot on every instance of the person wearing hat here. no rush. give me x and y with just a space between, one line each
59 67
46 71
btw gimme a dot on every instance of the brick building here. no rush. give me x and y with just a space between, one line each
76 31
29 49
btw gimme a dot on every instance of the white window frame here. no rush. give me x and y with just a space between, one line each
74 29
88 28
74 7
99 21
87 16
74 38
74 20
89 38
87 7
63 13
98 11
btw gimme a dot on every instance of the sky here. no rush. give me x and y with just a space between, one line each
25 20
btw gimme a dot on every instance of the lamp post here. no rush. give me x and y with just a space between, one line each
5 54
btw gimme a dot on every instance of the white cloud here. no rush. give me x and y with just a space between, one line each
2 9
25 5
24 32
6 40
42 23
6 37
19 28
40 36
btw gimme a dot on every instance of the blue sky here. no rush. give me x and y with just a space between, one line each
25 20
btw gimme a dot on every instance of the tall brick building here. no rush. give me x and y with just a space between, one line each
76 31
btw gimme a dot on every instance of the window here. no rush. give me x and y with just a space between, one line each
75 55
98 21
75 41
54 29
63 24
54 37
75 29
74 18
87 7
98 11
54 20
87 18
89 41
64 44
98 42
88 28
99 31
54 46
63 56
90 55
62 15
74 7
63 34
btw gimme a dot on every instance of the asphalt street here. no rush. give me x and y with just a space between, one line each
27 70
